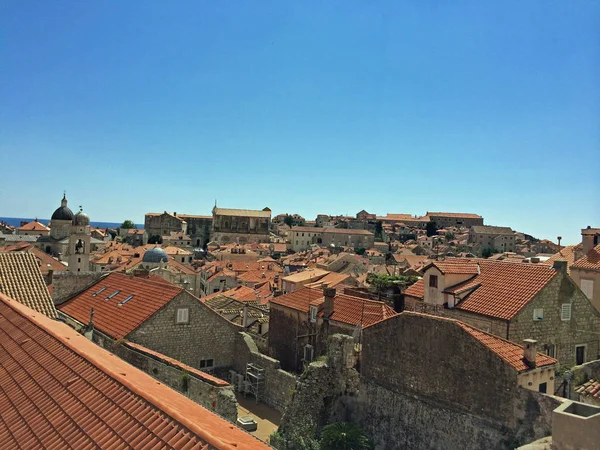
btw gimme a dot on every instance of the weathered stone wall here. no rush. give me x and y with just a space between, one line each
213 396
278 386
284 325
207 335
198 228
492 325
67 284
582 329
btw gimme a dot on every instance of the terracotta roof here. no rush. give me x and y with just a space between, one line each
21 279
509 351
416 290
332 279
590 388
456 266
118 321
356 310
59 390
171 250
45 261
566 254
306 275
454 215
34 225
299 300
591 261
488 229
242 212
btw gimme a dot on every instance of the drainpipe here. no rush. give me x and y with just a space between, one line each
507 329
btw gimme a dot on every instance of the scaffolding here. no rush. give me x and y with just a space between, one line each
254 380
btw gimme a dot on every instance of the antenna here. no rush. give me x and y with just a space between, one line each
559 238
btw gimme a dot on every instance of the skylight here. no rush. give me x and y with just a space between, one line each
122 302
96 293
113 294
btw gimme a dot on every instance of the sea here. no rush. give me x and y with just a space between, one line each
16 222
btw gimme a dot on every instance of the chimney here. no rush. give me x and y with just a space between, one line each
329 294
560 265
245 317
174 213
530 352
589 239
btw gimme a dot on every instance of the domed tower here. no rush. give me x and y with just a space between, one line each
155 257
80 236
60 223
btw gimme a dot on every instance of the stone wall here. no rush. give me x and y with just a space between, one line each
214 394
67 284
278 386
207 335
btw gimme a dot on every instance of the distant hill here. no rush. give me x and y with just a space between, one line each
16 222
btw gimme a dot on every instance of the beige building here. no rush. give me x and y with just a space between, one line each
446 219
240 226
585 271
302 238
488 237
298 280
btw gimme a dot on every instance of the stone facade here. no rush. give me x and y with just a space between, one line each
420 385
164 224
302 238
214 396
240 225
207 335
67 284
443 220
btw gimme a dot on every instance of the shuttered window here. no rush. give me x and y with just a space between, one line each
182 315
565 312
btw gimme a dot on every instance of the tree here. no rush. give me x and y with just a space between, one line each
487 252
155 239
383 282
344 436
449 236
360 251
431 228
288 220
128 224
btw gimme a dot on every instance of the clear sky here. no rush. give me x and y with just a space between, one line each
304 106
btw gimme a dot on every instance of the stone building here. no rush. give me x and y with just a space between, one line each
163 224
486 237
301 322
240 226
303 238
585 270
157 315
515 301
445 219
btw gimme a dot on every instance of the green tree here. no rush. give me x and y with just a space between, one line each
383 282
487 252
155 239
360 251
288 220
449 236
128 224
344 436
431 228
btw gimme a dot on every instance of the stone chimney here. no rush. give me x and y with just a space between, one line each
560 265
590 237
328 306
245 317
530 352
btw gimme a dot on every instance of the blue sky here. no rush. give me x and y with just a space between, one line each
304 106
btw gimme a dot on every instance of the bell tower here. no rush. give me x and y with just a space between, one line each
78 252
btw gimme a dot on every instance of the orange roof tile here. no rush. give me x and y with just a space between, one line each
118 321
591 261
59 390
590 388
509 351
416 290
566 254
34 225
454 215
456 266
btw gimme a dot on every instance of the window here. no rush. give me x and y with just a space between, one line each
96 293
538 314
579 354
543 387
313 314
551 350
182 315
122 302
207 364
587 286
309 353
565 312
433 281
78 260
112 295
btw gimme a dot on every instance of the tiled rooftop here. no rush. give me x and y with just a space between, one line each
457 266
306 275
501 290
112 319
21 279
34 225
488 229
590 261
242 212
59 390
566 254
590 388
454 215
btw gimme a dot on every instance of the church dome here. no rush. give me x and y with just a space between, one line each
155 255
81 219
63 213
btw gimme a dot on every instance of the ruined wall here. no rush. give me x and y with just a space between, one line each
279 385
67 284
214 395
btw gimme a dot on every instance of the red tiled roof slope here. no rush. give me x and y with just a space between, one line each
58 390
118 321
509 351
34 225
416 290
590 261
457 266
355 310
